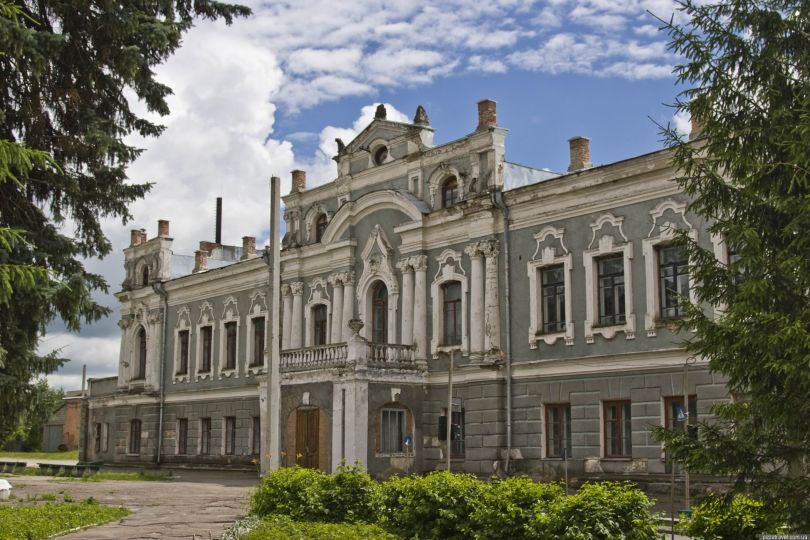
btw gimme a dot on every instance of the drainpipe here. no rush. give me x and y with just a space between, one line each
497 200
160 289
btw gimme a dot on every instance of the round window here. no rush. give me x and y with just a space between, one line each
380 155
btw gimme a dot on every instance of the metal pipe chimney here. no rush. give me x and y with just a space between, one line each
218 232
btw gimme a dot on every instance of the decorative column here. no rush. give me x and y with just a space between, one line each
348 304
286 297
492 325
477 315
407 301
419 264
297 336
336 334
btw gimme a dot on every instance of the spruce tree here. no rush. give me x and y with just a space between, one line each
746 70
65 70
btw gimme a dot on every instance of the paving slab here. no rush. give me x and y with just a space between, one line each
195 505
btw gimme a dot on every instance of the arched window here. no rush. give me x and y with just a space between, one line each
141 338
451 313
320 227
380 155
379 313
319 330
449 192
145 276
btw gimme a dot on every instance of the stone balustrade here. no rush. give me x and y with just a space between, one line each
318 357
377 355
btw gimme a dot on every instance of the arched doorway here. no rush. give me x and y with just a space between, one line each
379 313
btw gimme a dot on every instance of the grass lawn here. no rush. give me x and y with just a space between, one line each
36 521
72 455
284 527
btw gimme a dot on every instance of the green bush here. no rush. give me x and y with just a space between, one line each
295 492
598 511
350 495
311 495
507 508
439 505
739 517
284 527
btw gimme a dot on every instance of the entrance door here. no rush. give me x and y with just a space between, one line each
306 438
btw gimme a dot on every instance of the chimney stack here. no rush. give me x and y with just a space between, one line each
200 261
299 181
580 148
137 237
487 114
248 248
163 228
218 230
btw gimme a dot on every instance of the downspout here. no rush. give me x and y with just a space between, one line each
160 289
498 201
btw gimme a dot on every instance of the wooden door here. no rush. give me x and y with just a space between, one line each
306 438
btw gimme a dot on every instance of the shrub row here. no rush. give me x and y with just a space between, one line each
445 505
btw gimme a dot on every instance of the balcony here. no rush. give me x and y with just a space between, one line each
350 355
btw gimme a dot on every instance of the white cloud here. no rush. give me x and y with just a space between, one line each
647 30
487 65
682 122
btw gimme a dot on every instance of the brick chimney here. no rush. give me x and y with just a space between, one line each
137 237
580 153
200 261
163 228
248 247
487 116
208 247
299 181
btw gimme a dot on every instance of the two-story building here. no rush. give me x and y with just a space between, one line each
554 296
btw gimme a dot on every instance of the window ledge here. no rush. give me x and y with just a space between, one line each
550 338
129 454
609 331
228 373
395 455
617 458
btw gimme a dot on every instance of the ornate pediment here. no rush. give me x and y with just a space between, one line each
379 131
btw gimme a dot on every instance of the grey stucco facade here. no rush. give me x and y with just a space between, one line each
385 246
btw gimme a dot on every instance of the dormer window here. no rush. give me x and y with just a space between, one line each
145 276
449 192
380 155
320 227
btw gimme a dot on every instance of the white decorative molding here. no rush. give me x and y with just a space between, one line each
318 294
206 318
354 211
230 313
183 323
450 269
377 259
544 257
258 303
661 233
605 245
437 178
258 308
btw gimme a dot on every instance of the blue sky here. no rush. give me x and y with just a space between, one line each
270 94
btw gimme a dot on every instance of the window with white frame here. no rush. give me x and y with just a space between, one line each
257 349
666 267
610 286
449 297
256 324
230 345
183 344
550 304
206 341
451 313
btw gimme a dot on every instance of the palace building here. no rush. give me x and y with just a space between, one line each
554 295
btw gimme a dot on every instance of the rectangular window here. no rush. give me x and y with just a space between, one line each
618 429
611 290
205 436
98 434
258 342
205 366
182 436
558 430
451 313
256 443
457 432
552 282
392 431
182 369
320 322
230 435
675 415
135 437
673 275
105 437
230 345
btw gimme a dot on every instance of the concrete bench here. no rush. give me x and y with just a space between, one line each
11 466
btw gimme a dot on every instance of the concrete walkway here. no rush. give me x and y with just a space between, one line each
195 505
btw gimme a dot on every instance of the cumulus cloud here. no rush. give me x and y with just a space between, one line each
487 65
682 122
